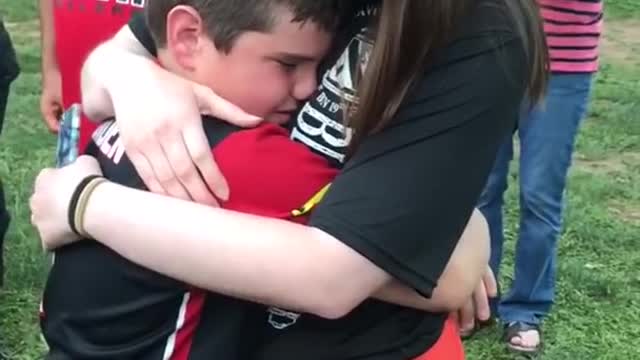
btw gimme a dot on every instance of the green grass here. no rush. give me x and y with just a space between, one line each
597 315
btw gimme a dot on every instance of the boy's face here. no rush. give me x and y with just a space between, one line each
266 74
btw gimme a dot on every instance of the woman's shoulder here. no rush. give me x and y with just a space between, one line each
490 16
489 32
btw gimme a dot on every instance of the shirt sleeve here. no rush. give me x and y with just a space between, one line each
139 28
405 197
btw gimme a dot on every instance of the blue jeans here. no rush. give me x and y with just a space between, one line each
547 136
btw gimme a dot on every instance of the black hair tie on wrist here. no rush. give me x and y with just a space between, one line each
73 204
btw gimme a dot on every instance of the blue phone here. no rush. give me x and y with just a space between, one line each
68 136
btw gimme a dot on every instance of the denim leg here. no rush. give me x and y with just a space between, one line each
547 138
492 200
491 205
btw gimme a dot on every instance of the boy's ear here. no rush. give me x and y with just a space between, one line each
184 30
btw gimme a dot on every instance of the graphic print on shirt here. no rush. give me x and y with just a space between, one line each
319 124
107 139
99 6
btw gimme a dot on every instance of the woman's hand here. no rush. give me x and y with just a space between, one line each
477 308
163 135
159 116
50 200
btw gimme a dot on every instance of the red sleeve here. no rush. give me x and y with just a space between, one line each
268 173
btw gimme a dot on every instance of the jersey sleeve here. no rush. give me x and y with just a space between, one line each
139 28
404 198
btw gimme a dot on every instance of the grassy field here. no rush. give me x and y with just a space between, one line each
598 311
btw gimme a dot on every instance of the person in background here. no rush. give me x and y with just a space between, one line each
9 70
547 134
69 30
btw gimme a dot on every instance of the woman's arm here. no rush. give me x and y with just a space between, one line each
461 276
315 290
108 57
260 259
455 285
171 154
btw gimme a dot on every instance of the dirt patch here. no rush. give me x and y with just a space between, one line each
626 212
621 42
616 164
600 167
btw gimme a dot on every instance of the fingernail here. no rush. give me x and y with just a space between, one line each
223 192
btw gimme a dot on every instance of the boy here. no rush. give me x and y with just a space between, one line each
262 55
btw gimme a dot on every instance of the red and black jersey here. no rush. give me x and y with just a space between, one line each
97 305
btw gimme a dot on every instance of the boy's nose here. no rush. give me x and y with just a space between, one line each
305 86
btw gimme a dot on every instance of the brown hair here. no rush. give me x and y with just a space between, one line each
226 19
402 51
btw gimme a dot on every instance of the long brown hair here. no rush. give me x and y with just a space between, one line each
402 51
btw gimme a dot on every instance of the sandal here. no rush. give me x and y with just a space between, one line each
517 329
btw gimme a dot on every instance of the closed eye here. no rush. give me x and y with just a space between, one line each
288 66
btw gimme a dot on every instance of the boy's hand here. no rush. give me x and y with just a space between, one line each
51 99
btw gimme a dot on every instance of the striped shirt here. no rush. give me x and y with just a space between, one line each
573 29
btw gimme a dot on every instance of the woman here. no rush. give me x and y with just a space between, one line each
431 114
547 136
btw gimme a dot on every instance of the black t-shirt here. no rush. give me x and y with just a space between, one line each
404 198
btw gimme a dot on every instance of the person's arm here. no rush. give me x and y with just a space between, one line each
259 259
461 276
96 100
158 115
51 98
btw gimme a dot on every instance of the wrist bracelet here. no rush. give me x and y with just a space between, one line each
81 209
75 199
